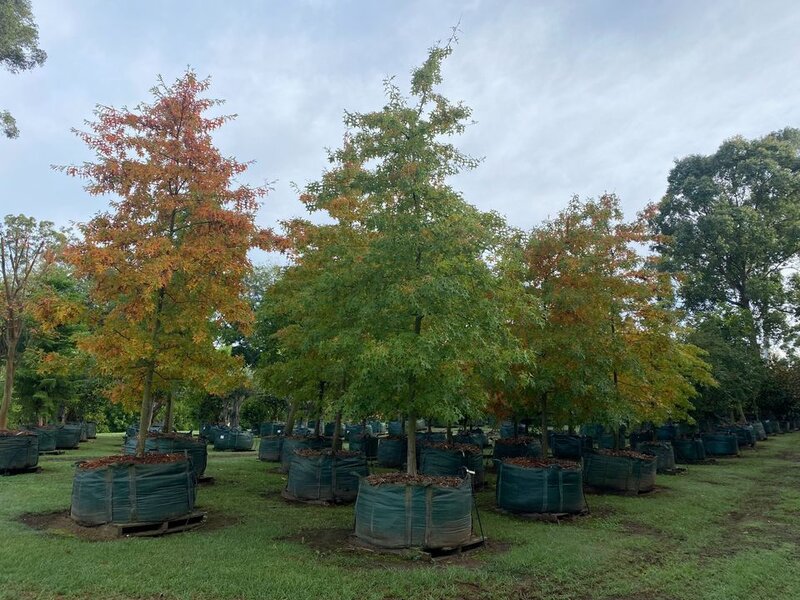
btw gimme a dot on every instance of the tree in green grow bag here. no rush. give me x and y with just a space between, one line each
515 447
290 444
19 450
68 437
129 489
451 460
412 307
403 511
235 440
620 470
531 485
664 453
689 450
720 444
173 443
269 448
325 476
47 436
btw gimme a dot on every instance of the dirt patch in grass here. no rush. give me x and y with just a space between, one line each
637 528
58 523
340 540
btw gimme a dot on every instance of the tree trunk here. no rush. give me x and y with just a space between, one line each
147 409
9 382
168 416
545 444
317 431
290 418
411 452
236 408
336 427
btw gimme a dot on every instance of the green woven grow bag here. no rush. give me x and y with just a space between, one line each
126 492
47 437
439 461
746 436
476 438
326 477
759 431
720 444
68 437
391 452
238 441
396 428
269 448
620 473
158 443
689 451
270 428
19 450
366 444
396 515
552 489
664 453
516 447
666 433
291 444
570 446
91 430
84 432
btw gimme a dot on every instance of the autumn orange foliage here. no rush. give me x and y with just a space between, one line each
167 262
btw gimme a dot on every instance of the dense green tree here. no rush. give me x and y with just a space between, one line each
737 366
19 48
27 251
729 228
410 323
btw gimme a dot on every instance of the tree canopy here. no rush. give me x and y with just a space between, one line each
19 48
168 263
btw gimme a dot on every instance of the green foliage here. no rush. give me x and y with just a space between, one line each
729 226
408 323
609 349
780 394
726 336
19 48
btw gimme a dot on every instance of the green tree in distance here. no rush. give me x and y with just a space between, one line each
19 48
729 228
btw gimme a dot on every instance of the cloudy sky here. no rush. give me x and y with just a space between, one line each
569 97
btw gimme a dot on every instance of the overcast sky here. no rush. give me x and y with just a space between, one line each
569 97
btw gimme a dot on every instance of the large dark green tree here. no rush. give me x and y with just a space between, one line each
19 48
729 224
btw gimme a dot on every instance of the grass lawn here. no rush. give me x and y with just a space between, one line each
719 532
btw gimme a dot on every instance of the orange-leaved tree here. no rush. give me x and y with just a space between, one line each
168 261
611 349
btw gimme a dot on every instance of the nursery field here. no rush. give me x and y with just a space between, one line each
724 531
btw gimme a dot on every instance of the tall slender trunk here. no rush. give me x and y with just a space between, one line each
337 425
147 393
319 409
9 382
168 416
545 441
147 410
411 452
290 418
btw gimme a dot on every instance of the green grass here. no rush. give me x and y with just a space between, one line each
719 532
